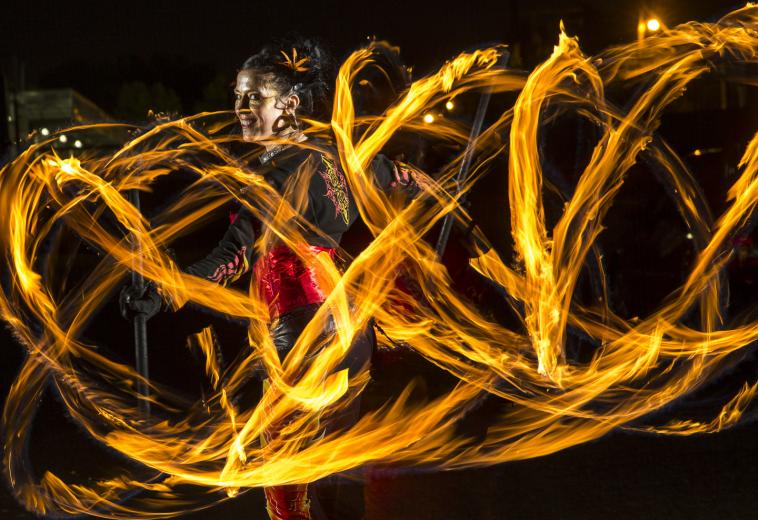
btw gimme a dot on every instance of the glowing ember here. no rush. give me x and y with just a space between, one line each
558 402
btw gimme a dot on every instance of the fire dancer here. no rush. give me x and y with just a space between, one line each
274 90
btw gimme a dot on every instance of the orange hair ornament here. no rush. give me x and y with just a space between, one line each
293 63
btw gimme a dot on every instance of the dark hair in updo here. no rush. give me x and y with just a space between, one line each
312 85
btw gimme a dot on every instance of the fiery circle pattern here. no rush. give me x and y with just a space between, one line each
638 367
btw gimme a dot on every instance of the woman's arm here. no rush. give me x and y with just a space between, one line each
398 176
232 256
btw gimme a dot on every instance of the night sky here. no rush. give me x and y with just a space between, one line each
97 46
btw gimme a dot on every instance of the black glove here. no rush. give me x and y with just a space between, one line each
144 300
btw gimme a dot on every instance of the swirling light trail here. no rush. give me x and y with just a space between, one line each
638 366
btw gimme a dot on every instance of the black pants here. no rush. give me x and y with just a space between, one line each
332 497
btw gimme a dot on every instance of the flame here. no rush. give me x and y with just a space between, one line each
639 365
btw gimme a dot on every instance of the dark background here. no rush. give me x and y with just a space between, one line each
129 57
194 49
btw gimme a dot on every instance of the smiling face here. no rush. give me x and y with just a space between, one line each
263 111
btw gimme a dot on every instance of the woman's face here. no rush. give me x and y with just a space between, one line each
263 112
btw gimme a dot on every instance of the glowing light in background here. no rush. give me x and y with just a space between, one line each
653 25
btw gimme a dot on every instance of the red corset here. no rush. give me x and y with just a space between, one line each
285 283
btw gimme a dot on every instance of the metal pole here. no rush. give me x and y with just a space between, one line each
476 130
140 322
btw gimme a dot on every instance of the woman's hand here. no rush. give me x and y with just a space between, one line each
135 300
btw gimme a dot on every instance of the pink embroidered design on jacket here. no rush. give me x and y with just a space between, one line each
230 271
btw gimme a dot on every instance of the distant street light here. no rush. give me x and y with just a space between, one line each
45 132
647 26
77 144
449 105
63 138
428 118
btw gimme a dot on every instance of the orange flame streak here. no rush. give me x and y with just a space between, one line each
730 415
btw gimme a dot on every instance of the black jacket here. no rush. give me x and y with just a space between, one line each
330 208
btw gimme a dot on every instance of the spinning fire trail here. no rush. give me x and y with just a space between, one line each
637 367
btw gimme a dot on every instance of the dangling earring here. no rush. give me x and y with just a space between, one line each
294 122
